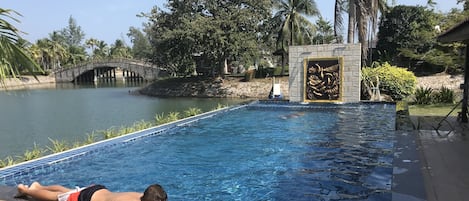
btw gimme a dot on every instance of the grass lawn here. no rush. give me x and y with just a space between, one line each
433 110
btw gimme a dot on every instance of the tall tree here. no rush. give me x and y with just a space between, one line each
407 36
72 37
324 33
339 8
72 34
53 53
213 31
295 28
13 58
141 48
91 43
120 50
465 4
101 51
362 20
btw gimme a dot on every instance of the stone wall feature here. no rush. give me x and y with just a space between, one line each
351 54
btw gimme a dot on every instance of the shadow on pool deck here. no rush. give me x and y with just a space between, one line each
445 154
8 193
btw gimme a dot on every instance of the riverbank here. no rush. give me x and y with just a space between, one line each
230 87
28 82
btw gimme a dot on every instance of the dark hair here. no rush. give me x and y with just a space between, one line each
154 192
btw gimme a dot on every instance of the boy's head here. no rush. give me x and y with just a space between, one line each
154 193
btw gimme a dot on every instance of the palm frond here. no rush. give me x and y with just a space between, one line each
13 58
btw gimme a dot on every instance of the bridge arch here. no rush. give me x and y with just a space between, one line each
93 70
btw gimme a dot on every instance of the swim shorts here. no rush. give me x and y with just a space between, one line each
80 194
85 194
68 195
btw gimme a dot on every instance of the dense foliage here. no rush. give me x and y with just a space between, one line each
394 81
141 48
423 96
215 35
405 29
211 32
408 37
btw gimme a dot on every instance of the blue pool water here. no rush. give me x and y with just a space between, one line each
338 152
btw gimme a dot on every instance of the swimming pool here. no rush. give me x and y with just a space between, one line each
256 152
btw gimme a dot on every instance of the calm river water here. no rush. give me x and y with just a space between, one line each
68 112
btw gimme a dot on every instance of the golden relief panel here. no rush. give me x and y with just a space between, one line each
323 79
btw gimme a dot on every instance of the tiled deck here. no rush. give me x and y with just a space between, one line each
445 158
8 193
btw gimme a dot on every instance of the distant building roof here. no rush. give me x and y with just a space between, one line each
459 32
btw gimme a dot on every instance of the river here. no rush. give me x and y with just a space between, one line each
68 112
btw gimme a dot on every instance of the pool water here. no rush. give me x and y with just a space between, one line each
339 152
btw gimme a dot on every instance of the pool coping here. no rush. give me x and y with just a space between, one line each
407 180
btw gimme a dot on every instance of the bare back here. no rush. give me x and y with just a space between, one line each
106 195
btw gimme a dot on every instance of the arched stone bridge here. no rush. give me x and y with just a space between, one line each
106 69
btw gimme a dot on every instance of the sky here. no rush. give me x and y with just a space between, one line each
109 20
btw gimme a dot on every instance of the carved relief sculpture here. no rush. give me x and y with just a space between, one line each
323 79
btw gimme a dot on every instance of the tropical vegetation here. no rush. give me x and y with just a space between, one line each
216 35
14 59
396 82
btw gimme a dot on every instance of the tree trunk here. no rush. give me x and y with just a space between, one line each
351 21
283 64
221 68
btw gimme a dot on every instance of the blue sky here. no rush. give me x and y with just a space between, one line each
110 20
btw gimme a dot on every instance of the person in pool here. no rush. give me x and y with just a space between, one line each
37 191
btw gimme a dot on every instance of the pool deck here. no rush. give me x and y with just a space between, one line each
8 194
445 164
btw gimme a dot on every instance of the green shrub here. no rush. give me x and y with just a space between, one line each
109 133
220 106
36 152
192 112
394 81
58 146
90 138
162 118
423 96
8 161
444 95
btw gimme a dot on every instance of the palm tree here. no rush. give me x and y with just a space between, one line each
101 51
292 14
294 27
324 33
339 8
91 43
43 52
362 14
13 58
120 50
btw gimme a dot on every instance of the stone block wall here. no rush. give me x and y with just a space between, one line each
351 54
